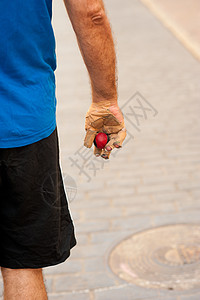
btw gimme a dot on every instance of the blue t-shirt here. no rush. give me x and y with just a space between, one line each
27 65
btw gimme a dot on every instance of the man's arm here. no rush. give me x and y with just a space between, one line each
95 41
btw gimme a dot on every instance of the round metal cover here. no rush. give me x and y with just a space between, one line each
165 257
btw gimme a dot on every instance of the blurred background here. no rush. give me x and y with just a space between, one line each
137 216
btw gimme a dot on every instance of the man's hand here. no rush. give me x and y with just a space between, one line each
104 117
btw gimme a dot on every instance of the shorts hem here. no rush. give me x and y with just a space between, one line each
16 264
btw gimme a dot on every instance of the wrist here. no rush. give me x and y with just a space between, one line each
107 98
104 102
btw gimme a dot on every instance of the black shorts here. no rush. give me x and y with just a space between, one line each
36 229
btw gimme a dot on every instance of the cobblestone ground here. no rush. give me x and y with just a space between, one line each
154 180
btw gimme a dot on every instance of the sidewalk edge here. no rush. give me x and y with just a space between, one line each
180 34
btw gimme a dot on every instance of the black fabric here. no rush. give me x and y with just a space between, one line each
36 229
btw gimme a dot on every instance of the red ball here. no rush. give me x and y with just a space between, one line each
101 140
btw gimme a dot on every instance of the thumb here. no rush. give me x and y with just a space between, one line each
89 138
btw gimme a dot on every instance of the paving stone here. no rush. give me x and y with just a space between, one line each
89 280
133 223
191 216
103 213
141 172
164 163
92 226
48 283
180 217
178 294
188 205
195 194
114 193
69 266
149 209
124 181
155 188
70 296
82 239
112 236
85 251
126 292
132 200
172 196
191 297
75 215
165 178
188 185
96 264
92 202
169 298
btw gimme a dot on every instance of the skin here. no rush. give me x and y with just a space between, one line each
23 284
95 40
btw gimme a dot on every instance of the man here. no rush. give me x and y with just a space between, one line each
36 228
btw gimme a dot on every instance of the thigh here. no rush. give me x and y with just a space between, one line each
35 222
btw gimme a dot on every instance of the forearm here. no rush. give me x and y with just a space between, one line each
95 40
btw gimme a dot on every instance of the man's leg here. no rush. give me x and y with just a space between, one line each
23 284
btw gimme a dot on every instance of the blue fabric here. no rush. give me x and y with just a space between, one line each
27 65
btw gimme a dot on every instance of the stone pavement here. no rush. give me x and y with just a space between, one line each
182 17
154 180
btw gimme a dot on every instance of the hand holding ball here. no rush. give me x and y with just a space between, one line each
101 140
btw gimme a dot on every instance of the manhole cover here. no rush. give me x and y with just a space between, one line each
165 257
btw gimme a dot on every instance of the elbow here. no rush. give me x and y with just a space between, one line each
96 15
98 18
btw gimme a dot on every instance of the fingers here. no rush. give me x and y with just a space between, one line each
120 138
101 152
89 138
110 145
97 151
105 154
116 140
